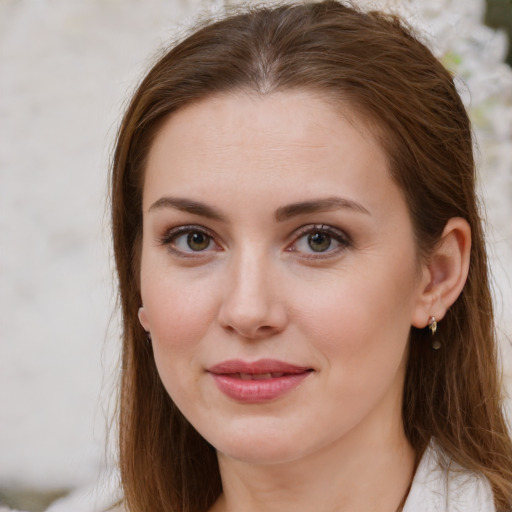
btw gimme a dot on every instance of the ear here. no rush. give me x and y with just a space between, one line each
444 273
143 318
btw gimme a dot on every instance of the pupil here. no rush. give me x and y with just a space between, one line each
319 242
198 241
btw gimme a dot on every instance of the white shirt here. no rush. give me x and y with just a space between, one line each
443 486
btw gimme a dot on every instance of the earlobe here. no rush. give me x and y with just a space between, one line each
143 318
445 272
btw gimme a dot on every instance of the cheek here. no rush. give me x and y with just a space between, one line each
176 303
361 318
362 340
180 311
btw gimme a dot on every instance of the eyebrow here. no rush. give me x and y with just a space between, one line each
318 205
284 213
189 206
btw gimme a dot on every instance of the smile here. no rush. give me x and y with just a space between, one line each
258 376
257 382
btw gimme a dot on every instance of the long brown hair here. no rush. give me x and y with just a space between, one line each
375 64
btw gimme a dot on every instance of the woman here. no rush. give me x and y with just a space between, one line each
302 272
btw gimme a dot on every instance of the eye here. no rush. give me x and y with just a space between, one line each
196 241
188 241
319 241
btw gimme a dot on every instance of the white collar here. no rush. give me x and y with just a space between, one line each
441 485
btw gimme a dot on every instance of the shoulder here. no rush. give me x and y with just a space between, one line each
440 485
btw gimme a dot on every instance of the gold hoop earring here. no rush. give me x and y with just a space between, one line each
432 325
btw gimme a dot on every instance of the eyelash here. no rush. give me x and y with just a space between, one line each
171 236
335 234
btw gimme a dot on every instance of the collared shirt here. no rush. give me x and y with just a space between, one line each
440 485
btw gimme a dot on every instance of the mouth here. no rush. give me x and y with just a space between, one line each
257 376
260 381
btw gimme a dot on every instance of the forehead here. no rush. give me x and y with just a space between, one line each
283 108
270 133
249 156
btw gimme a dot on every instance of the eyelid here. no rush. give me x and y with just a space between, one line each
340 236
170 235
337 234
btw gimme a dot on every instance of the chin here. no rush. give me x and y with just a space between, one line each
259 446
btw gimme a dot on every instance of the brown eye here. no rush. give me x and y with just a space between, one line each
198 241
319 242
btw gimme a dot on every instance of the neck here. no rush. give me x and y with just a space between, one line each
370 470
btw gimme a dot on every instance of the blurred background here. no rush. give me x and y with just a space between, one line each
67 68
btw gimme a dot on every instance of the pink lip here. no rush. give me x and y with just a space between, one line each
259 381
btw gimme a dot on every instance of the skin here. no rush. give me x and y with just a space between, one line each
258 289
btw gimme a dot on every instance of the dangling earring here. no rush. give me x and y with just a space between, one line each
432 325
148 336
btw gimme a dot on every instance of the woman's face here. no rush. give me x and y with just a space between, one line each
279 275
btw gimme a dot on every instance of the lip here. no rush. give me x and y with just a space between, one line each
259 381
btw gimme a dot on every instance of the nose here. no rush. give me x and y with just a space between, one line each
252 303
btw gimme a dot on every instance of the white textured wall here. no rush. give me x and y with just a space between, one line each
66 66
65 70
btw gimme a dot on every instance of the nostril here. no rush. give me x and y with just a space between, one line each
253 316
257 332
